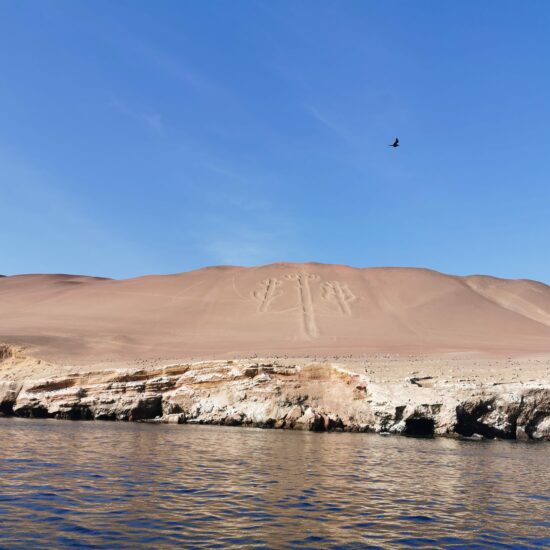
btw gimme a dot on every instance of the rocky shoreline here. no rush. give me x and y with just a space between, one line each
314 396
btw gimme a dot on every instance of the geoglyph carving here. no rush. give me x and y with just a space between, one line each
331 291
308 312
340 293
267 294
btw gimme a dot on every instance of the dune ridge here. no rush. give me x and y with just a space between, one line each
284 308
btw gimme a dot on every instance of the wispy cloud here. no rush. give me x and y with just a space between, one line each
153 121
243 227
50 226
143 46
173 66
244 247
248 241
329 122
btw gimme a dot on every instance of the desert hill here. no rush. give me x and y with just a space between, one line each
277 309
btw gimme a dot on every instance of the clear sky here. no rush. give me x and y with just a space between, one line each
145 137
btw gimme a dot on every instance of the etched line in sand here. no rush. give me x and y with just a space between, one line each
267 294
308 312
334 290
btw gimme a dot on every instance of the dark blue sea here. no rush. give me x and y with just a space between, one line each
117 485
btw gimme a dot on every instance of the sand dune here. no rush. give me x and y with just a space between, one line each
295 309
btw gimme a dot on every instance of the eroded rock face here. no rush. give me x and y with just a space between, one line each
314 397
8 395
534 416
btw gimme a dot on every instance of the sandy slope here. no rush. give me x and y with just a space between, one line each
294 309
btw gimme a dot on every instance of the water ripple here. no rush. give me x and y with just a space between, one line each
103 485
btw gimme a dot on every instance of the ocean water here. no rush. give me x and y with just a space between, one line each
117 485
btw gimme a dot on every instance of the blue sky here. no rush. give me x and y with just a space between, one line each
156 137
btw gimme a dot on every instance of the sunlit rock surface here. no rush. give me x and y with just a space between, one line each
315 396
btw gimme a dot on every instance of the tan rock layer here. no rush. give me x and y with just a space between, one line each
314 396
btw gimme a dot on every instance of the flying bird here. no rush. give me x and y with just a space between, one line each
395 143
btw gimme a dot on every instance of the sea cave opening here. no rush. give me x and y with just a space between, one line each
419 427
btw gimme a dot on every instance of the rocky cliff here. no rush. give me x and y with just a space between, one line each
317 396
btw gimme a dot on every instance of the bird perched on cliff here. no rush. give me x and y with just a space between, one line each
395 143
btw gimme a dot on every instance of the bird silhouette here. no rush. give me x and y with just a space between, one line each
395 143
